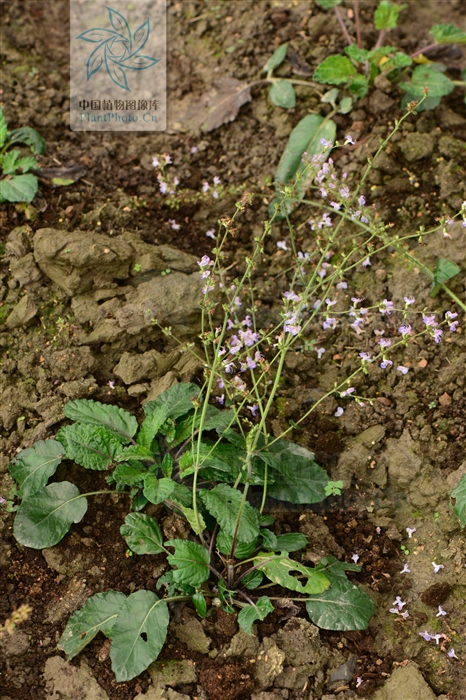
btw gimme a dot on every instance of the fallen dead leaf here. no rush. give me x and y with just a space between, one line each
423 362
445 399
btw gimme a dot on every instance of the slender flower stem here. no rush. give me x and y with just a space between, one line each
358 23
342 25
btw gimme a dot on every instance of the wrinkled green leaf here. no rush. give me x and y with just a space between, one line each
398 60
253 580
33 467
129 474
342 607
28 136
138 634
359 86
251 613
137 452
444 271
167 465
335 70
44 519
428 76
142 534
157 490
386 15
177 400
276 59
198 526
192 560
333 568
20 188
214 419
3 128
223 502
269 540
459 493
298 479
8 162
116 420
93 447
282 94
448 34
98 614
278 569
242 551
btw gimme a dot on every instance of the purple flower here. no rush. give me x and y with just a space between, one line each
426 636
342 285
292 296
405 569
366 356
453 326
450 315
204 261
355 558
220 399
210 233
437 334
246 321
174 225
386 363
207 288
385 342
430 321
438 637
111 384
194 149
441 611
349 139
339 412
238 383
282 245
437 567
251 363
344 192
217 180
220 383
228 366
329 323
399 603
410 531
163 187
205 186
386 307
235 344
335 205
366 262
402 369
452 654
253 409
320 352
409 300
168 159
347 392
404 329
361 200
155 162
237 302
327 144
176 181
248 337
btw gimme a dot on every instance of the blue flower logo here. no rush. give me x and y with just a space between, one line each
118 49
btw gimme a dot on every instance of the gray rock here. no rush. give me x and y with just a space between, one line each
25 271
79 389
72 363
74 260
165 673
158 386
403 460
345 671
380 102
22 313
15 644
269 663
417 146
133 367
18 242
405 683
66 682
192 634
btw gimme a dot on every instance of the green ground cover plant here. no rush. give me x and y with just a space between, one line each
203 451
16 187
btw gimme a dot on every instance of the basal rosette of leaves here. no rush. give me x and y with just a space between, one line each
231 550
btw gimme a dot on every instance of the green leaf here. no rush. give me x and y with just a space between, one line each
129 474
398 60
266 520
93 447
242 551
305 137
9 162
176 401
116 420
330 96
429 103
278 568
276 59
356 53
135 452
21 188
386 15
33 467
328 4
27 163
253 580
28 136
428 76
224 502
151 426
44 519
158 490
167 465
282 94
448 34
192 560
142 534
3 128
459 493
333 568
214 419
291 542
269 540
298 479
200 604
359 86
251 613
343 607
98 614
62 181
198 526
445 270
138 634
335 70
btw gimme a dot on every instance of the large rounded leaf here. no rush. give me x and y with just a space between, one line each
342 607
138 634
45 518
33 467
142 534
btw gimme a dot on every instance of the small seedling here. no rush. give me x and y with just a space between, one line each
17 184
